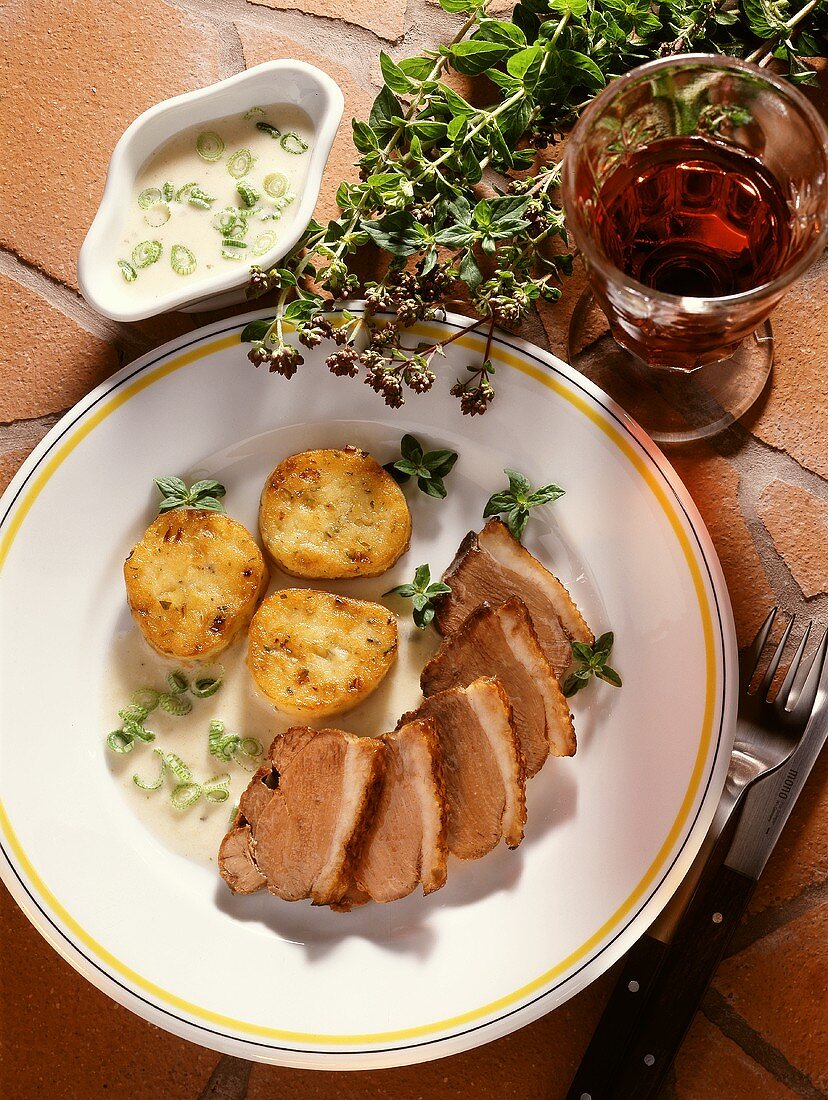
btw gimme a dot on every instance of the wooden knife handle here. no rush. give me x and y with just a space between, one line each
619 1021
687 967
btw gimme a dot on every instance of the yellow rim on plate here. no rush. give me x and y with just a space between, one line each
642 467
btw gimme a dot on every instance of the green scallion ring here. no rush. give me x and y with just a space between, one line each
186 795
209 146
264 242
146 253
268 128
249 196
293 144
168 191
149 197
225 221
254 112
240 163
146 698
202 204
182 192
128 271
177 705
232 254
205 686
276 184
272 216
233 242
120 742
182 261
284 201
157 215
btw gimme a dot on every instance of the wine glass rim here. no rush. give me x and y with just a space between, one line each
688 60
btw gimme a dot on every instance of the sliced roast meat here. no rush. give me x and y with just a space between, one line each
308 812
406 842
482 766
501 641
492 566
236 860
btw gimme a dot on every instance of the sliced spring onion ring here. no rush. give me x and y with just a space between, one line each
149 197
225 221
168 191
275 184
271 216
182 192
120 742
128 271
268 128
185 795
234 242
199 197
293 144
209 145
177 705
146 698
146 253
157 215
205 686
232 254
182 261
254 112
249 196
153 785
215 789
240 163
264 242
178 682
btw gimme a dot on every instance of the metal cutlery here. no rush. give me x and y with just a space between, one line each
666 973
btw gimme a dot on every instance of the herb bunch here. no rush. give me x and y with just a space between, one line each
453 192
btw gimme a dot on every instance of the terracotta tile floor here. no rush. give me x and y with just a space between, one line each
74 76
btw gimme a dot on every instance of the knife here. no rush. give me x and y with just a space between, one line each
668 970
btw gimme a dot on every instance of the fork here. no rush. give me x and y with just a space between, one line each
768 731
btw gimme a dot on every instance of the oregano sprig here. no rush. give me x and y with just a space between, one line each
454 193
429 467
422 592
591 660
518 500
201 494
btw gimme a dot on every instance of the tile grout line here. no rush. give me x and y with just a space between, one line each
19 435
734 1027
64 299
759 925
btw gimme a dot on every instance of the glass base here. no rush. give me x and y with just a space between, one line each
672 407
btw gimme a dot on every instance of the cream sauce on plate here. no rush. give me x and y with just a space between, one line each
197 832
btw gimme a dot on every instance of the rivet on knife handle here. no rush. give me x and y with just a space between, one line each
688 966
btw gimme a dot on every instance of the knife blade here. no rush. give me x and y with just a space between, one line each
642 1012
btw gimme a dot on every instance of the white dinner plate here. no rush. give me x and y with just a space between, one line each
610 832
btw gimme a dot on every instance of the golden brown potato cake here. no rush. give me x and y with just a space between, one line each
333 513
193 582
315 653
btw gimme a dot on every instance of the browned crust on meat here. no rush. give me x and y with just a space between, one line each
469 545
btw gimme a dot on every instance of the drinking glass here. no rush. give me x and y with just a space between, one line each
691 347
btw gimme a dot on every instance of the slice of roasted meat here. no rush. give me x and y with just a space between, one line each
482 766
304 816
501 641
406 841
492 566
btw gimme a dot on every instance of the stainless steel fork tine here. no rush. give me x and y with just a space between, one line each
770 672
784 694
749 659
803 706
